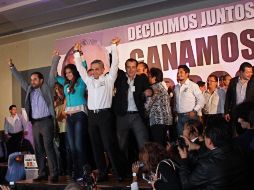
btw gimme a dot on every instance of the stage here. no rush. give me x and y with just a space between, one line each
64 181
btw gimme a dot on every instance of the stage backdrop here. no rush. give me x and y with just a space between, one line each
208 40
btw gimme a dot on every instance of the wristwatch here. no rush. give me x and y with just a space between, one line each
134 174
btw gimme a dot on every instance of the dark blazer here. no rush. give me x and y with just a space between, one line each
47 87
120 99
219 169
230 102
168 178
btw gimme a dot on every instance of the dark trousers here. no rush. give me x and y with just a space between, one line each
65 160
158 134
43 134
77 132
103 139
134 123
14 142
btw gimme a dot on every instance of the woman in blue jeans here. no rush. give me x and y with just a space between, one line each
75 108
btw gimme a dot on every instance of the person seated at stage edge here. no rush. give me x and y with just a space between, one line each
223 166
161 170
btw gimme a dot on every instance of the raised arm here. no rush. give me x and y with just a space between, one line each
53 69
81 69
115 62
18 76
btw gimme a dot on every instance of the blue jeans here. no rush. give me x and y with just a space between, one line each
182 119
77 132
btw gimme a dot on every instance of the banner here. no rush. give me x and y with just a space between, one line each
213 40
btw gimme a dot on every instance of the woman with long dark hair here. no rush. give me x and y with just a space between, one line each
76 111
162 171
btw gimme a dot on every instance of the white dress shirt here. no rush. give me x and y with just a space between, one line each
100 91
15 124
241 91
214 102
131 102
188 97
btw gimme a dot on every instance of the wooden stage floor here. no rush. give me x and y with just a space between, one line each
64 181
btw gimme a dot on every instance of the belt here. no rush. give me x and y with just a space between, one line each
186 113
43 118
132 112
99 110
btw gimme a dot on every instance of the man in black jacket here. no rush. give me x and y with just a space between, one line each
131 91
240 89
223 166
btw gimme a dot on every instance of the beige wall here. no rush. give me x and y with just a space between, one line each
36 52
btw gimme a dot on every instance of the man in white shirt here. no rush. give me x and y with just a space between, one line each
15 126
188 97
214 100
100 118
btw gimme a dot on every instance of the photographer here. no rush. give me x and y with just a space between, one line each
193 130
223 166
192 139
155 162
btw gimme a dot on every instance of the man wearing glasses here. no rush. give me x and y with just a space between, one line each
214 100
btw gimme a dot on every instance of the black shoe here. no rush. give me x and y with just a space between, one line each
40 178
101 178
53 179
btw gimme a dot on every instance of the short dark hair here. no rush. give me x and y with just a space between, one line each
195 125
243 111
98 61
157 73
12 106
244 65
201 83
185 68
225 76
218 131
39 74
131 60
144 64
214 77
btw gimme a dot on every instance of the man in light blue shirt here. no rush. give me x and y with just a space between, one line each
40 110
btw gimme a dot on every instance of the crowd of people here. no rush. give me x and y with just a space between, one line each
198 137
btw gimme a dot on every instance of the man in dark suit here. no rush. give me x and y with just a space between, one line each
131 91
240 89
40 110
222 166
